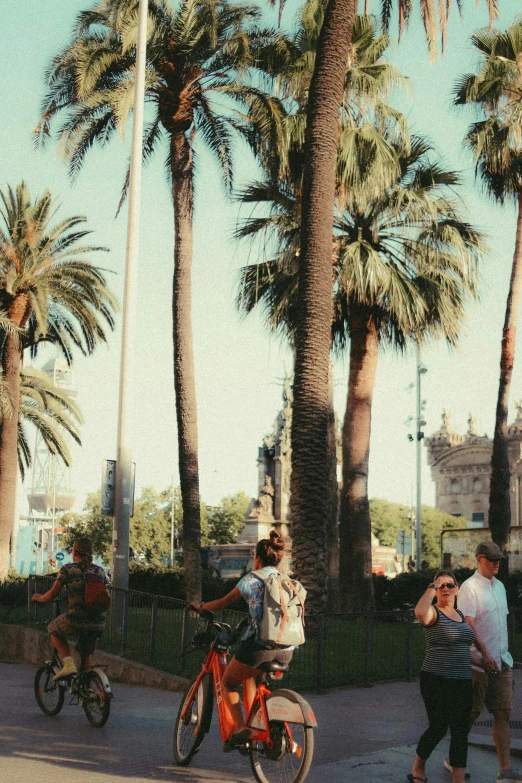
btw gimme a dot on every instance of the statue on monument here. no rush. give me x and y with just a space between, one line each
266 499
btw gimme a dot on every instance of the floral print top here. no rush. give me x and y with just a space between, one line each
252 589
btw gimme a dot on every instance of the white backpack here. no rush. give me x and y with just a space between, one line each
283 610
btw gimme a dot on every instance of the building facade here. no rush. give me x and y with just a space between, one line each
461 469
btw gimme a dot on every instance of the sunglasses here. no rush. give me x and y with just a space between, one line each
449 585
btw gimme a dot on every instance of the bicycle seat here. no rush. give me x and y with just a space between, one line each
273 666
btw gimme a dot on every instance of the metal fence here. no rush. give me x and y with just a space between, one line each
340 650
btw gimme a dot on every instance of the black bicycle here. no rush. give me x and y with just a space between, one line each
89 688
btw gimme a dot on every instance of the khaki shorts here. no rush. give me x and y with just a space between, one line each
494 691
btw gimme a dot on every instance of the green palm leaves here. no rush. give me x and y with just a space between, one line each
48 288
495 94
51 410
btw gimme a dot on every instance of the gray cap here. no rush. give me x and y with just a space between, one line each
490 550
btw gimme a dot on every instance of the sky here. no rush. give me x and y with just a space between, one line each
239 366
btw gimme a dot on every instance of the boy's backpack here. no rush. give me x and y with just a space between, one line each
96 593
283 610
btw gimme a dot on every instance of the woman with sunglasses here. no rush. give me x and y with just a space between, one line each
445 677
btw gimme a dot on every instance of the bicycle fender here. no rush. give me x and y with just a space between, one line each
105 680
207 709
285 705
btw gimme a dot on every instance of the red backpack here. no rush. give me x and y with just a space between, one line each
96 593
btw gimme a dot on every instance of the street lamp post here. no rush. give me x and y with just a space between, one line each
419 421
123 478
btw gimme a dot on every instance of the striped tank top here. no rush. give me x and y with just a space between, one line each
447 647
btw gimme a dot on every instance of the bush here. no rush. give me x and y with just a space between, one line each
161 580
12 589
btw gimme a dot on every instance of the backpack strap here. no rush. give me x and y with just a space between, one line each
293 588
284 609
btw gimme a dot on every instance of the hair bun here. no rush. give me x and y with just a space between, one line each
276 542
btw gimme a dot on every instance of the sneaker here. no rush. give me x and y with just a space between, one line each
448 766
69 667
509 775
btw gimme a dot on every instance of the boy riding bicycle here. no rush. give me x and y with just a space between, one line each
252 651
80 618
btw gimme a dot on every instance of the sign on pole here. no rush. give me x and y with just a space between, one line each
108 488
60 555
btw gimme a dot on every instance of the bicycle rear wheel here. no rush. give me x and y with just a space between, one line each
49 694
288 761
97 704
190 731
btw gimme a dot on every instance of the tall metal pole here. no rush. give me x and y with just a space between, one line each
123 480
419 436
172 527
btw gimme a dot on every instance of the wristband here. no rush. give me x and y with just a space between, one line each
432 586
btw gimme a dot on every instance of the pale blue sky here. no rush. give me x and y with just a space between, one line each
238 367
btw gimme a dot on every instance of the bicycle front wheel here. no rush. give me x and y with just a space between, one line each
289 758
97 703
49 694
190 730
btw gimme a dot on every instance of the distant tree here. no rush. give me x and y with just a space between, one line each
388 518
150 528
226 521
90 523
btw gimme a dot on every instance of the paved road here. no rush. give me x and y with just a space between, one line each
364 734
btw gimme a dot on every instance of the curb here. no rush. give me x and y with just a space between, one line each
27 645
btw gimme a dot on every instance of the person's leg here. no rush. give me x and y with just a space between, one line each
459 703
61 645
501 737
234 675
433 695
499 702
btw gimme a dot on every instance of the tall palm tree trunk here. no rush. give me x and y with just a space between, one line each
356 584
184 380
333 527
310 494
8 451
499 492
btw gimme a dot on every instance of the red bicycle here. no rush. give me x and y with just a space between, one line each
281 722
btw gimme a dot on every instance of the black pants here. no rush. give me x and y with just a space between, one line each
448 704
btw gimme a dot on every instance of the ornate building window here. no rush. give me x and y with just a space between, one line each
455 486
477 484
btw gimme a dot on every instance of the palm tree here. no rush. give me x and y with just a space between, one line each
365 122
407 263
310 497
495 93
49 291
51 410
403 264
197 58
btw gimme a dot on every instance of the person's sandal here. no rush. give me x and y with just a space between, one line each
236 741
412 778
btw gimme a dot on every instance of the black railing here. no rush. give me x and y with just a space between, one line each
341 649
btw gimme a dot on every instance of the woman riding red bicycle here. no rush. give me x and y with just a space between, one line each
252 651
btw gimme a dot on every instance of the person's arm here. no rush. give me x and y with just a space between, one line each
219 603
489 663
49 595
425 611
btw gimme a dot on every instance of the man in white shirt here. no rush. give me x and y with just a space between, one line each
482 600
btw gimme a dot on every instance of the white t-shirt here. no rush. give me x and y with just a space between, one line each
485 601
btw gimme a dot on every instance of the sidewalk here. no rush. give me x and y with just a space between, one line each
363 735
